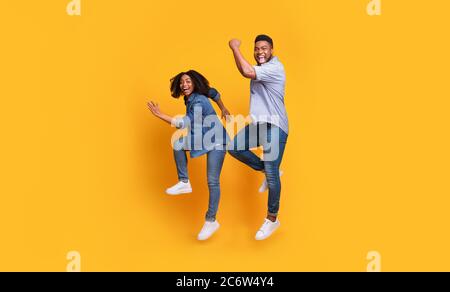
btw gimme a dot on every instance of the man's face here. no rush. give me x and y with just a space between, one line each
263 52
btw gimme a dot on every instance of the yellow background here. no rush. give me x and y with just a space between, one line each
84 165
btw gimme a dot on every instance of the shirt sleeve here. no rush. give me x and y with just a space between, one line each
214 94
269 73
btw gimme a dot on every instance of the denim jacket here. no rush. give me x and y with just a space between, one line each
205 131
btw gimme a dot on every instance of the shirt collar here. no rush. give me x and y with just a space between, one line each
191 97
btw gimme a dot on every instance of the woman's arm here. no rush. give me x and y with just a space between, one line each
225 112
215 96
154 108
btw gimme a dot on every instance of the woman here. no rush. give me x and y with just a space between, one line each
206 135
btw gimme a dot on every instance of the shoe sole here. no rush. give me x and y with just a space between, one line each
180 192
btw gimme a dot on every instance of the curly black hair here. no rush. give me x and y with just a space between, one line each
201 84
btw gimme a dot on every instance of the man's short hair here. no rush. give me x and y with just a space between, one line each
263 37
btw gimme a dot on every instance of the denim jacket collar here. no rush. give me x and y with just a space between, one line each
188 100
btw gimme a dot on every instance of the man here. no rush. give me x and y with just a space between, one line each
269 122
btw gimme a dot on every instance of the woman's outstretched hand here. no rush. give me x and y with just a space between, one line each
154 108
225 114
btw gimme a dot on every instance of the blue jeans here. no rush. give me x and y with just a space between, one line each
273 140
215 159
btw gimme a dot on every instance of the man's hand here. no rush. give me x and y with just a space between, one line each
234 44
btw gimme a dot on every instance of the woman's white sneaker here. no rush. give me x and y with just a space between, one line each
180 188
208 230
267 229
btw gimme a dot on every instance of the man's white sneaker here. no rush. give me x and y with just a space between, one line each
208 230
263 186
267 229
180 188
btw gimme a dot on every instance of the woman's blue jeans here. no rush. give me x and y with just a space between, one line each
215 159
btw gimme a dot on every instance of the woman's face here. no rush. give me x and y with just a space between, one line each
186 85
